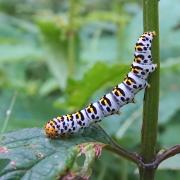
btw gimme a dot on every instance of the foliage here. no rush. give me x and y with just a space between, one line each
34 47
28 154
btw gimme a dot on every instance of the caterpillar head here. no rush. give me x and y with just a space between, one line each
146 38
51 129
144 42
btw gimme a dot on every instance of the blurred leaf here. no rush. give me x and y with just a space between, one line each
169 90
28 111
106 16
97 77
53 29
99 48
33 156
55 48
16 30
169 105
47 87
169 35
167 175
12 53
170 134
3 162
18 40
126 125
172 163
58 69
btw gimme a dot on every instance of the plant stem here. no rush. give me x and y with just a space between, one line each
151 98
71 37
116 148
8 114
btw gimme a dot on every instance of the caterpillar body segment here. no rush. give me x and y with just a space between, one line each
123 94
109 107
135 83
143 57
94 112
142 70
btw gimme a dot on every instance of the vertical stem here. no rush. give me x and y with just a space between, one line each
151 98
147 174
117 6
8 114
71 37
124 175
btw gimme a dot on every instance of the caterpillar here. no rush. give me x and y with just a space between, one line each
110 103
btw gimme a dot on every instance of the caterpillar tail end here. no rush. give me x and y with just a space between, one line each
49 130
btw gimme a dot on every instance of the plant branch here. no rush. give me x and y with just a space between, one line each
167 154
137 159
116 148
133 157
72 37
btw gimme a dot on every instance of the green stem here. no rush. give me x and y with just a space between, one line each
151 98
124 175
71 37
8 114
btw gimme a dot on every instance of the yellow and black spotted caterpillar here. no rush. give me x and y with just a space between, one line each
110 103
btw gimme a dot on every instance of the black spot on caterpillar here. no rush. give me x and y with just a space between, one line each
110 103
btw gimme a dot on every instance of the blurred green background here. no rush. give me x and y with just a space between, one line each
57 56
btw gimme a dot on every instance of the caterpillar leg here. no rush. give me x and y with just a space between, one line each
133 101
153 67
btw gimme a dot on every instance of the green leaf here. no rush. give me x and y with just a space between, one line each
16 30
169 105
106 16
170 85
18 39
34 156
3 162
28 111
168 36
98 76
19 52
55 46
48 86
170 134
